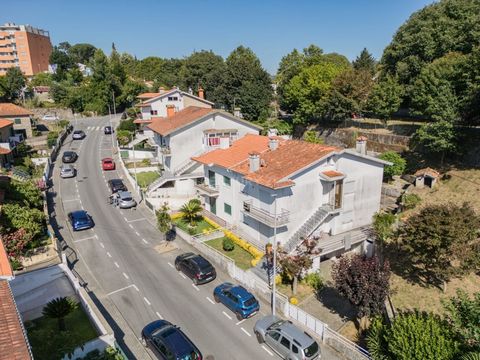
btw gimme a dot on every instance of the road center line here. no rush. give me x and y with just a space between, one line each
169 264
130 225
145 241
124 288
146 300
183 276
196 287
109 255
241 321
130 221
136 233
268 351
228 316
125 219
246 332
213 302
116 264
160 316
88 238
103 246
136 288
126 276
69 200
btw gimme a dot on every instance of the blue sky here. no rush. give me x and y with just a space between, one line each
272 28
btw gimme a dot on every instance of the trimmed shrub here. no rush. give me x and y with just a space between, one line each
314 280
409 201
52 137
293 300
228 244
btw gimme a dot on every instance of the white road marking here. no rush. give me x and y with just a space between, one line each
130 221
88 238
136 233
196 287
103 246
145 241
160 316
126 276
125 219
268 351
241 321
246 332
109 255
130 225
69 200
146 300
116 264
124 288
213 302
169 264
183 276
228 316
136 288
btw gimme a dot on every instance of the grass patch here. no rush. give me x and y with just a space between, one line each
146 178
241 257
303 291
44 338
198 229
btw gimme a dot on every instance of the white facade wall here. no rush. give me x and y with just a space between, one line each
360 200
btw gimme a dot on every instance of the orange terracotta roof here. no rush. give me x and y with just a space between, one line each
428 171
9 109
142 121
5 268
165 126
148 95
332 173
290 157
144 105
4 151
13 344
5 122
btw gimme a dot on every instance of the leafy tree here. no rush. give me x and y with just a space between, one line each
128 125
295 265
164 221
208 70
124 136
398 164
290 65
385 98
13 83
247 85
59 308
191 211
337 59
130 90
364 282
15 242
25 193
15 216
63 62
412 336
437 137
312 137
365 61
383 228
116 67
463 316
42 79
442 240
81 53
471 356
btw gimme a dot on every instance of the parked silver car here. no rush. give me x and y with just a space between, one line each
67 171
126 200
78 135
286 339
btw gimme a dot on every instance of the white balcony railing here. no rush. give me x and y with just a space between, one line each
264 216
208 190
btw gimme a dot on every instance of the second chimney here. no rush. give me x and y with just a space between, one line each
361 145
273 144
170 110
161 90
254 161
201 95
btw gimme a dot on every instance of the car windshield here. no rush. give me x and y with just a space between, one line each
203 264
276 325
250 301
126 199
191 356
311 350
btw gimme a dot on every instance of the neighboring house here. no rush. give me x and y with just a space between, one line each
261 184
22 118
187 133
8 141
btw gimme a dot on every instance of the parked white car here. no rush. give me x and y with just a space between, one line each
67 171
50 117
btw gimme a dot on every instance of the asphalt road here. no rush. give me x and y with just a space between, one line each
128 277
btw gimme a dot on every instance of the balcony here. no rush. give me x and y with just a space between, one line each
264 216
207 190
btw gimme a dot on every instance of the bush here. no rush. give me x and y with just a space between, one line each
63 123
124 137
398 164
127 125
52 137
314 280
228 244
409 201
146 162
293 300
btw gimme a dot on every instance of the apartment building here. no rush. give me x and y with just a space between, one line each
25 47
269 187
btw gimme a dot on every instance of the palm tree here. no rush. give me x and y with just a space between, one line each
471 356
191 211
59 308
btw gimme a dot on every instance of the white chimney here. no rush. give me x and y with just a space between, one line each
272 132
161 90
254 161
361 145
273 144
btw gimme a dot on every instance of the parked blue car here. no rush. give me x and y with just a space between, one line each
80 220
237 299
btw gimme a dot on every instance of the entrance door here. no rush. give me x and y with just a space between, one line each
213 205
338 194
211 178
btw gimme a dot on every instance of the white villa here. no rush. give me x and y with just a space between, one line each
259 184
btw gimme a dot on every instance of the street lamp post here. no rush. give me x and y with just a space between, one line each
274 285
134 159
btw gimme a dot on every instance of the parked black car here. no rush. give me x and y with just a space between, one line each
69 157
116 185
167 341
107 130
196 267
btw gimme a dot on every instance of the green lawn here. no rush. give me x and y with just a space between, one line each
146 178
198 229
241 257
46 340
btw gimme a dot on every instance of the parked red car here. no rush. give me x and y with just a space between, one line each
108 164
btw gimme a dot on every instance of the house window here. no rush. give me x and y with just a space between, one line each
153 112
18 121
173 98
227 208
226 180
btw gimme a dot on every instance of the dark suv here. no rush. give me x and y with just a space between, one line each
196 267
69 157
167 341
116 185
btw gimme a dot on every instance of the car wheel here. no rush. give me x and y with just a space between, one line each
239 316
177 266
144 342
260 338
215 297
195 281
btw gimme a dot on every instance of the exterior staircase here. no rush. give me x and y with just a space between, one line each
308 227
184 167
138 139
166 176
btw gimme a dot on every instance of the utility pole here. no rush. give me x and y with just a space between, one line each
274 285
134 160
